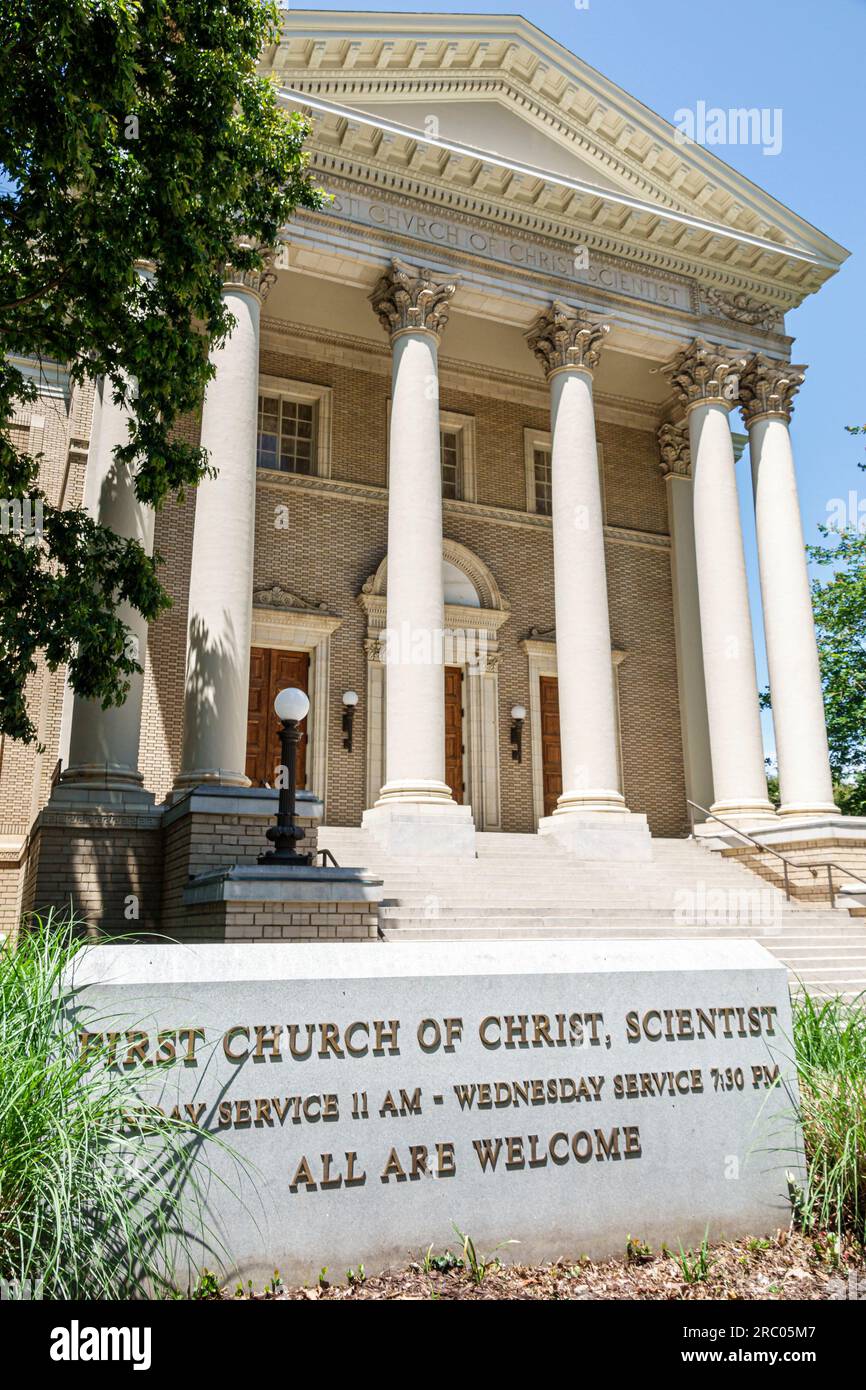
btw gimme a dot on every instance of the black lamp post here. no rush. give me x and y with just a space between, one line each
518 714
291 707
350 701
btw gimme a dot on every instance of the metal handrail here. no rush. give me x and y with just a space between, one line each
326 855
814 869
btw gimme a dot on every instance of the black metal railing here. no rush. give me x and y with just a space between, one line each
814 869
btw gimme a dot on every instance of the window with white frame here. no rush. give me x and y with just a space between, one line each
541 480
293 427
457 456
539 486
449 453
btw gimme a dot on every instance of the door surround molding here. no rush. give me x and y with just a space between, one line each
304 630
541 657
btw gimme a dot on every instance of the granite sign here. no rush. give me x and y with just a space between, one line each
557 1095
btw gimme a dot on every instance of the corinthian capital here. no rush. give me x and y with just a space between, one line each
566 337
705 373
259 281
768 387
406 298
676 457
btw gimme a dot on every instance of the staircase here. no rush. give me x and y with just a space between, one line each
523 886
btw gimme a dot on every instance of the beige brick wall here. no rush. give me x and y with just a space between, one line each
350 538
284 922
58 429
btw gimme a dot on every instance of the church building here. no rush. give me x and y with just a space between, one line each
475 440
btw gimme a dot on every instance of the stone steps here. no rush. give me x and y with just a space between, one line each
521 887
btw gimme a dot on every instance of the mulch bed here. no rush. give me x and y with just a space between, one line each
787 1266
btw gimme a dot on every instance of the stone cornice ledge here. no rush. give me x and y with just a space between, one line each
506 516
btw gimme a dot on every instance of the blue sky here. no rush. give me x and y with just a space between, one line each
806 58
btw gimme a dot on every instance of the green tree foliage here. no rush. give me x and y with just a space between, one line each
130 131
839 604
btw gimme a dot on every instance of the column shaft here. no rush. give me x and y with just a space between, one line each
587 705
415 813
739 780
805 780
676 469
415 701
221 573
706 378
103 743
591 818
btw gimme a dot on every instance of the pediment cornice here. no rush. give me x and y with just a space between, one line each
539 207
695 207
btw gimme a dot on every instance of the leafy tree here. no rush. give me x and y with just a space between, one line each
839 604
839 608
130 130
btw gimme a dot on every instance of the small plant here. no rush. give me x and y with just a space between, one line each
322 1280
828 1248
440 1264
830 1054
206 1286
695 1265
477 1266
275 1283
637 1252
356 1276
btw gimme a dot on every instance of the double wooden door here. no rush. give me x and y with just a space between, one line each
551 751
271 670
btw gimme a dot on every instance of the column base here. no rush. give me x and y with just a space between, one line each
595 801
803 810
433 829
210 776
101 784
422 792
588 834
752 817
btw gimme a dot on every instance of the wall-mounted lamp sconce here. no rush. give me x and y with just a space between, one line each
350 700
518 714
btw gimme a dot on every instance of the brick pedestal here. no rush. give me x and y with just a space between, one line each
103 862
211 828
269 903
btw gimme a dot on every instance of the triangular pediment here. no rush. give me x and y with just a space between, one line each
488 105
496 128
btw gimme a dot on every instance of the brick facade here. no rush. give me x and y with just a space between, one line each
322 539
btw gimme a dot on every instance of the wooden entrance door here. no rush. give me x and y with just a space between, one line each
551 751
454 731
272 670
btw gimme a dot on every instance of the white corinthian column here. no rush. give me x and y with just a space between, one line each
591 816
103 743
415 812
221 572
705 377
767 389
